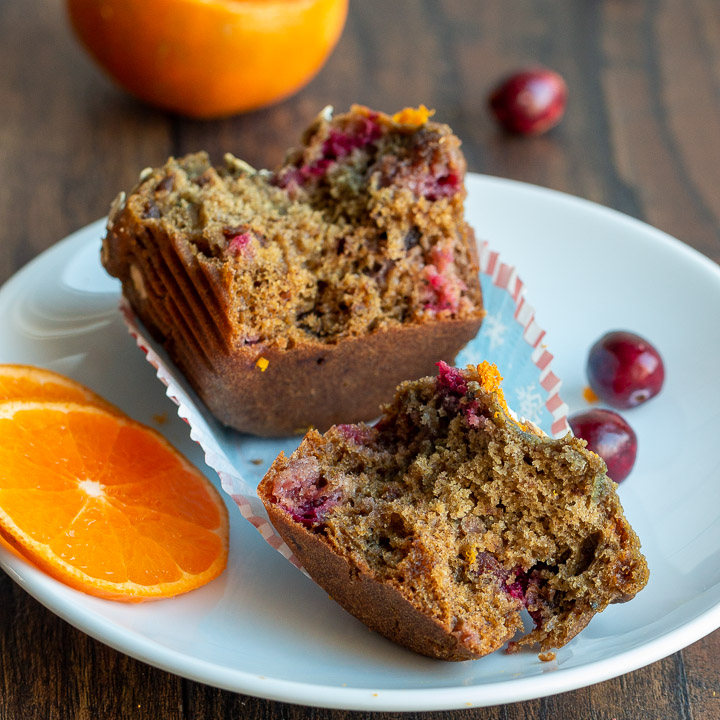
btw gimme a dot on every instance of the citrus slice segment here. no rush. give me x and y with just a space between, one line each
106 504
28 382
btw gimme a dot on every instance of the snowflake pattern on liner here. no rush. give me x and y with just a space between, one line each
494 330
529 403
504 339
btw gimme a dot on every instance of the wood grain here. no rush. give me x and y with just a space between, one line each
641 135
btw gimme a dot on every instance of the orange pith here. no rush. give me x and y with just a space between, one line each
106 504
27 382
208 58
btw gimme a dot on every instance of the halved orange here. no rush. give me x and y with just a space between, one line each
28 382
106 504
209 58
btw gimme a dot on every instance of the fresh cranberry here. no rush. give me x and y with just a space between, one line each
608 435
530 102
624 370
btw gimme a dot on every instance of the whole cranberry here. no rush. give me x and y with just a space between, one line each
624 370
608 435
530 102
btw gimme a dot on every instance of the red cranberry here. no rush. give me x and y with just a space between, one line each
238 244
450 380
530 102
624 370
358 434
608 435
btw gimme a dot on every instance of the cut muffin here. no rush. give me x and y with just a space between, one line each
303 297
438 525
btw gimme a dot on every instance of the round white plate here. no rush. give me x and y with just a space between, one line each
265 629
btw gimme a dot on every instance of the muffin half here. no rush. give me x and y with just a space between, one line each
441 523
302 297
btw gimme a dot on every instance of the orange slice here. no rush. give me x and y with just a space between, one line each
105 504
27 382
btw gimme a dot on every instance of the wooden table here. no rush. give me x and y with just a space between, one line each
641 135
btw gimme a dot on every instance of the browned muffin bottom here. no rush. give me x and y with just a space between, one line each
438 525
360 234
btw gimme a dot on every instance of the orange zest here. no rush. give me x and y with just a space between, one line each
413 117
106 504
491 380
209 58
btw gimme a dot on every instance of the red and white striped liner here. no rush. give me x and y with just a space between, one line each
506 277
265 528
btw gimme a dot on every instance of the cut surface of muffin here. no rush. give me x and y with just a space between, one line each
359 235
438 525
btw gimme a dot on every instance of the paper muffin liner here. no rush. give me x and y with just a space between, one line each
509 337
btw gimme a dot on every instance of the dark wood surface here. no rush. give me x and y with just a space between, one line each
641 135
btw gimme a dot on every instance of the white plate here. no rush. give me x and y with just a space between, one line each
264 629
